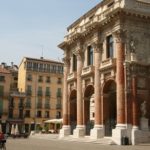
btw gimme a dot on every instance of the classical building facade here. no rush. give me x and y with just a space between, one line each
41 80
107 66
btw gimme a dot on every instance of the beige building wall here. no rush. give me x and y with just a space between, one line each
30 76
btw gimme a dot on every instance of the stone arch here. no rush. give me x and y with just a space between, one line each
109 106
88 108
73 109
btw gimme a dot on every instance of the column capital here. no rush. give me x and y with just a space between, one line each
120 36
66 61
98 46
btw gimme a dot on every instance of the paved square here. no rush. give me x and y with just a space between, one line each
35 143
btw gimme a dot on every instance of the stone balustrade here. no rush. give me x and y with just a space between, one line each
87 70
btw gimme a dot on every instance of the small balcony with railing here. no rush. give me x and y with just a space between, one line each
108 63
87 70
72 76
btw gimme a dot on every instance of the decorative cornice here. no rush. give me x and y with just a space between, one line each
66 61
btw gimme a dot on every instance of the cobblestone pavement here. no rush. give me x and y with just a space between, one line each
41 143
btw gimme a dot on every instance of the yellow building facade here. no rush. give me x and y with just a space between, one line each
41 80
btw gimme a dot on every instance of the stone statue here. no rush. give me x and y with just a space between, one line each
143 109
132 46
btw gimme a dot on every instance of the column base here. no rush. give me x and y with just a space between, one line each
65 131
144 124
119 132
139 136
97 132
79 131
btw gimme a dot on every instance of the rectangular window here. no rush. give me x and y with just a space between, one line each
40 79
28 103
40 93
39 103
39 114
47 93
20 113
27 113
2 78
74 63
46 114
58 114
48 79
29 77
1 91
59 92
110 46
59 81
11 113
90 55
29 90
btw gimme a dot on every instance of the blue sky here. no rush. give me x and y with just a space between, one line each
29 26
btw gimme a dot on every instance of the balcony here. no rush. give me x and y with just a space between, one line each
72 76
19 94
87 70
108 63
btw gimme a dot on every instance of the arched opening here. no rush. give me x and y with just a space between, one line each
89 109
73 110
109 107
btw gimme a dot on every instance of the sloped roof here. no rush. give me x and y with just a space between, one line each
4 70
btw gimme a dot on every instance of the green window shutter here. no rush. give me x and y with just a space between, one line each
1 90
1 106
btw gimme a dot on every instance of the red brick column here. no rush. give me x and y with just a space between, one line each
120 55
65 92
97 84
134 102
79 90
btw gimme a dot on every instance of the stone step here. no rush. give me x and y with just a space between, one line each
103 141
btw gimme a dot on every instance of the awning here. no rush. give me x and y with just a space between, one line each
54 121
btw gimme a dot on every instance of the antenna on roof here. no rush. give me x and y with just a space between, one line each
42 51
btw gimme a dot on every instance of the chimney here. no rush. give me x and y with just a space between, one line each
3 65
